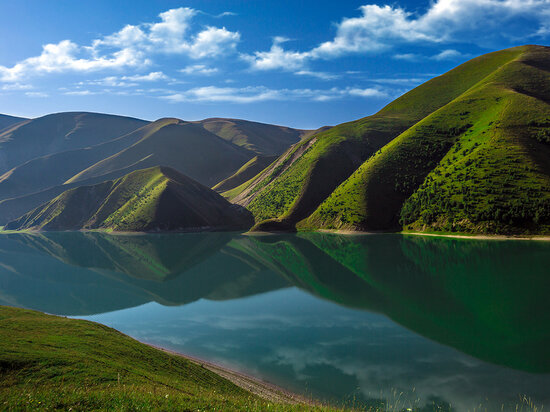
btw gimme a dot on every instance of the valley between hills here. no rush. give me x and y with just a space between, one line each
467 152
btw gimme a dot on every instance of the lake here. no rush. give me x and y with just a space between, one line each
355 320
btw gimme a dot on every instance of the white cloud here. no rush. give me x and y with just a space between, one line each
79 93
277 57
36 94
380 27
199 69
151 77
319 75
449 54
407 56
258 94
132 46
16 86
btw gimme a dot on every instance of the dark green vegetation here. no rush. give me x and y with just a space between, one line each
466 151
479 164
154 199
41 158
50 362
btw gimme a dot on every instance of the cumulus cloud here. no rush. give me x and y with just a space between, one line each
381 27
260 93
132 46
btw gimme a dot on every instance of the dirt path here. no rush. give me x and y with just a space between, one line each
256 386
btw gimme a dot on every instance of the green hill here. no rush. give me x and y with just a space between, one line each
480 163
260 138
245 173
294 186
184 146
59 132
51 362
153 199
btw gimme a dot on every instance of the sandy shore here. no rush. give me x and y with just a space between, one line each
265 390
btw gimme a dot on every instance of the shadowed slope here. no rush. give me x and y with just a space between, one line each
245 173
186 147
6 121
47 171
60 132
153 199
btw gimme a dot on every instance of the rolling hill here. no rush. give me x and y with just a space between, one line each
260 138
486 121
154 199
59 132
184 146
479 164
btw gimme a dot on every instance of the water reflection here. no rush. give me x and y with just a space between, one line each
487 299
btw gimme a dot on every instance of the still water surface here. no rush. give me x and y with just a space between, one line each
349 319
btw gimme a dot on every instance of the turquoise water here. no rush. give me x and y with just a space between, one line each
408 320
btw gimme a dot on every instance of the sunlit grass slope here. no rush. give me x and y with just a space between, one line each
307 174
158 198
479 164
50 362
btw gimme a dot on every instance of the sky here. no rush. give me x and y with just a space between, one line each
296 63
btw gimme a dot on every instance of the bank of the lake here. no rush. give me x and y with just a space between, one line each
52 362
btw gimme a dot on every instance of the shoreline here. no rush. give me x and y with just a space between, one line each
256 386
543 238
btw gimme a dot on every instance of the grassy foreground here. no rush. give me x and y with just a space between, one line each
51 362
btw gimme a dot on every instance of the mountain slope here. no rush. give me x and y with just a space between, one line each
260 138
6 121
153 199
295 185
479 164
60 132
245 173
44 172
184 146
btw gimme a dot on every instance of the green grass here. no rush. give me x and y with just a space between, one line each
51 362
478 164
297 192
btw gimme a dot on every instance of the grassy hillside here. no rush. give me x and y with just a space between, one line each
6 121
260 138
245 173
307 174
60 132
184 146
50 362
481 163
153 199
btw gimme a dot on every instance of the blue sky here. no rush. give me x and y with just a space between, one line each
302 64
